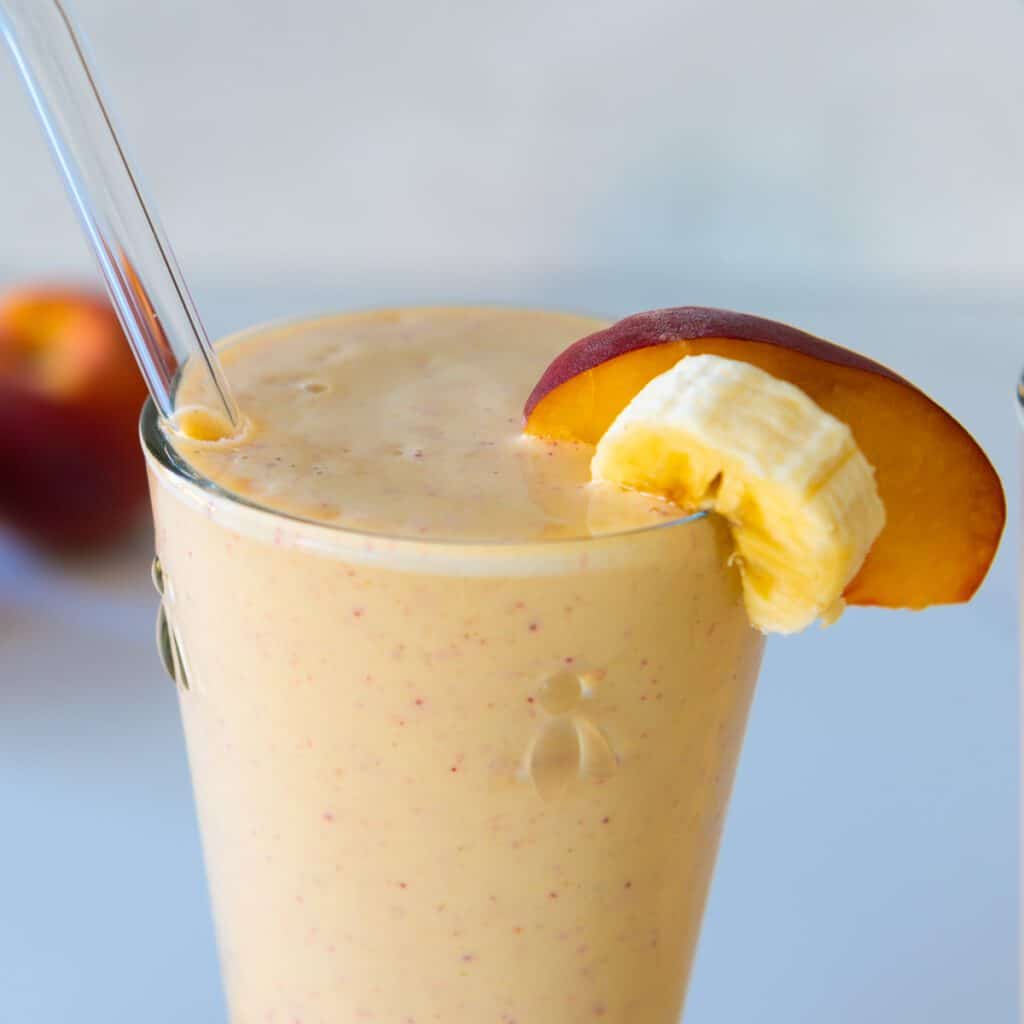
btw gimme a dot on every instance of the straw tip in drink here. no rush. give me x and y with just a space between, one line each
197 423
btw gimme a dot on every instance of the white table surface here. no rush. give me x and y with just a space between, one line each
868 871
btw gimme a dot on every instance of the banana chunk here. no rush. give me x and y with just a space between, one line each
723 436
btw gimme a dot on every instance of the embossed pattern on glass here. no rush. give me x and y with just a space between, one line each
568 746
167 644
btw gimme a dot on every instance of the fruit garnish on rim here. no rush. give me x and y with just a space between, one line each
842 482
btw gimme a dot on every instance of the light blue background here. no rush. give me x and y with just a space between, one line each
856 171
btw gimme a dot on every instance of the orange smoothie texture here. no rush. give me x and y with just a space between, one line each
462 726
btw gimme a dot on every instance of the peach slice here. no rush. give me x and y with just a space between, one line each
944 502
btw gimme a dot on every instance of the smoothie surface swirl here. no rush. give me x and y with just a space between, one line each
408 423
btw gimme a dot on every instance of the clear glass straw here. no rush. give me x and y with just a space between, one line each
141 274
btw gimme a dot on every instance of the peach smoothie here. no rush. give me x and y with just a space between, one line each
462 725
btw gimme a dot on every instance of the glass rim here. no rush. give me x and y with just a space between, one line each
157 446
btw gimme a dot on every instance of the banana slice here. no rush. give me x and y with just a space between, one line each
720 435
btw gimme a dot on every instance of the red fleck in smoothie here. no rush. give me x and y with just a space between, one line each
462 726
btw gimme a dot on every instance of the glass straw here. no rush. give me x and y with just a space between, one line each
141 274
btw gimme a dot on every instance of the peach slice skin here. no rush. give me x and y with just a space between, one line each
944 503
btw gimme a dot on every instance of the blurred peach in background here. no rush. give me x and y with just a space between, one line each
70 395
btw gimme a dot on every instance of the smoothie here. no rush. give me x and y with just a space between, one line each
462 725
